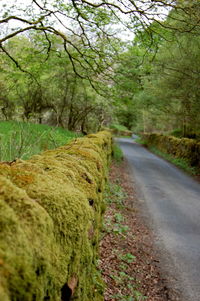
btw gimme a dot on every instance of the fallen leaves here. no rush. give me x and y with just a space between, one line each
127 259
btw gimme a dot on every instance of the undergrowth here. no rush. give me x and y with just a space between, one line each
118 127
22 140
141 141
127 287
117 153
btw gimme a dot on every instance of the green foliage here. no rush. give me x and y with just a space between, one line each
120 229
50 92
126 280
129 287
117 153
129 258
127 84
118 127
84 78
137 296
119 217
173 84
120 130
190 134
176 133
180 162
141 140
115 194
22 140
157 78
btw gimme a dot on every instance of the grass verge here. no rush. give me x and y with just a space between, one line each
118 273
179 162
117 153
22 140
128 262
141 141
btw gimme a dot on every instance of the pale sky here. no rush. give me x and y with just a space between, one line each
12 5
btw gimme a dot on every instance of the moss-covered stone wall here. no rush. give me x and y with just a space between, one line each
121 133
188 149
50 217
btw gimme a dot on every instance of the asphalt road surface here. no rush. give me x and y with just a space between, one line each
171 201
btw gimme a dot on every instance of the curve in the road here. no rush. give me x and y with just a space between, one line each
172 200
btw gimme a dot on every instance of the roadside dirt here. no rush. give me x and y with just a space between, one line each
128 262
197 178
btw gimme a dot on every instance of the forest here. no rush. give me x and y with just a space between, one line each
72 74
86 65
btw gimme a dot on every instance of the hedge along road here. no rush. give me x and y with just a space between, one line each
171 203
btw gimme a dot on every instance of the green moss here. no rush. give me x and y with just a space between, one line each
27 244
51 210
183 148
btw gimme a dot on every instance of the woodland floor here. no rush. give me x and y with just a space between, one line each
128 262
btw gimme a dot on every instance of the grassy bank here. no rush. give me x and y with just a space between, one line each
22 140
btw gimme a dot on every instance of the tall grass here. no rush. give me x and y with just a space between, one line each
22 140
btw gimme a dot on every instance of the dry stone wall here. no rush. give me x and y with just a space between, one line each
188 149
51 210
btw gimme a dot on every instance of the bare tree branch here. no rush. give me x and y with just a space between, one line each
6 20
88 26
18 65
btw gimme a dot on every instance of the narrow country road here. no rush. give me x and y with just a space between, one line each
171 202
